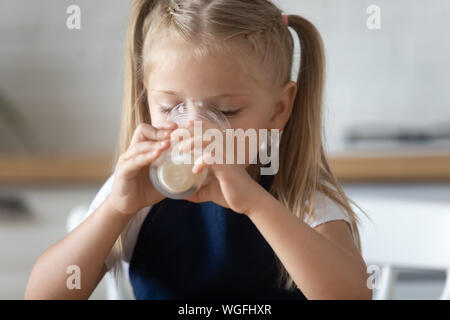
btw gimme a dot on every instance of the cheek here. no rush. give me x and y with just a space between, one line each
254 118
250 120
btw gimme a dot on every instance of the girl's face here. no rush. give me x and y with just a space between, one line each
219 80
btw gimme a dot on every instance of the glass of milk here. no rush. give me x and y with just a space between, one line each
173 177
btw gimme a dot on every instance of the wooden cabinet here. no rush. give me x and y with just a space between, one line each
347 167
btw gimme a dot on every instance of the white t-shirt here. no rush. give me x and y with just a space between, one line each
325 210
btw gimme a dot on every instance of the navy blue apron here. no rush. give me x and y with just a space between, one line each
188 250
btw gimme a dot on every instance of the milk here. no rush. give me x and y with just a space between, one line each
175 179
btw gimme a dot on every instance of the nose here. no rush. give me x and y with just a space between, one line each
194 110
199 110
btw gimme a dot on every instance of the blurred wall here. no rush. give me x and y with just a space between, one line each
68 84
396 76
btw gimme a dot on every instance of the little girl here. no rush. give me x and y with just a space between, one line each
288 236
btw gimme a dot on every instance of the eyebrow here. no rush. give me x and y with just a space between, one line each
179 94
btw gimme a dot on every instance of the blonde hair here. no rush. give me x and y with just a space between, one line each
212 25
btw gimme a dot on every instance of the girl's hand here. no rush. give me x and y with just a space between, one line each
229 185
132 189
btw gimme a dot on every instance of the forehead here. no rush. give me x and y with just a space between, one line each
182 68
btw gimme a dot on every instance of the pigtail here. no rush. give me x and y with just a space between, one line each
304 141
134 99
134 110
302 135
309 171
311 83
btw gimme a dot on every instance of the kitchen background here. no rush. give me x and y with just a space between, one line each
387 107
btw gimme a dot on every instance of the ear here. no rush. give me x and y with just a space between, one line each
283 105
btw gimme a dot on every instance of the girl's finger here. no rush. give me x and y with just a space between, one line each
145 147
166 125
189 144
181 134
131 166
147 132
206 160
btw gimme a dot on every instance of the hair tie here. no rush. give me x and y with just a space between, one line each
285 19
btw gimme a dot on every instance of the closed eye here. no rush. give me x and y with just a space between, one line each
165 108
230 113
227 113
